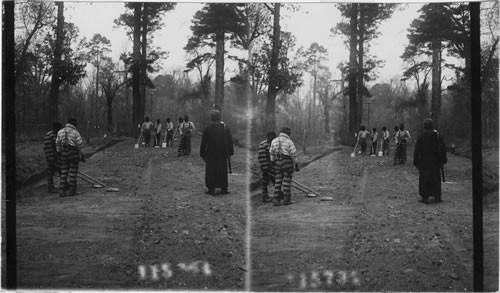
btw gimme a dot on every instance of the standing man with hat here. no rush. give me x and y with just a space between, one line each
284 155
429 158
216 147
69 146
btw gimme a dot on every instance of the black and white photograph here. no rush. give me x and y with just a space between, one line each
250 146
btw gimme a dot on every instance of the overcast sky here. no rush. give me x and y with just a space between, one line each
311 23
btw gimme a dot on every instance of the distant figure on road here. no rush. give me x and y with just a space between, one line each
284 156
69 146
266 166
170 133
180 132
49 147
429 157
385 141
146 129
188 127
397 149
158 127
362 138
403 137
373 150
215 149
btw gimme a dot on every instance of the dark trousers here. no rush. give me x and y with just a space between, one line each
374 148
363 147
158 137
385 147
267 177
170 140
53 167
147 138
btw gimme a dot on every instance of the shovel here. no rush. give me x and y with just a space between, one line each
136 146
353 154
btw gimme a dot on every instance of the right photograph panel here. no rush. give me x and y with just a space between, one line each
361 170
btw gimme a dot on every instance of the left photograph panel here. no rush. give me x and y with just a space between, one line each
130 163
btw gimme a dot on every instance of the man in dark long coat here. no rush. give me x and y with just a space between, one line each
215 149
429 157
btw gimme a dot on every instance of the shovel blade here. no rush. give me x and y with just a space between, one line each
353 155
136 146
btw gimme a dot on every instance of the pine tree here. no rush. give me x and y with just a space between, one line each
212 26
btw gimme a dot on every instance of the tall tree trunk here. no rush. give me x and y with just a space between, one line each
136 78
219 69
9 150
353 108
436 81
144 48
109 109
326 108
272 88
361 36
56 71
97 86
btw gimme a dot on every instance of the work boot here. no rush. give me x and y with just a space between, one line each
266 198
72 191
287 200
62 191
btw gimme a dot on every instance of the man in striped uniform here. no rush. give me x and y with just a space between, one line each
284 155
266 166
69 146
182 141
188 127
49 147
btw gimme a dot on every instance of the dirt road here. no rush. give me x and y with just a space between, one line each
374 235
160 231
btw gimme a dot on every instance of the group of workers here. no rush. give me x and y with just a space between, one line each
277 157
63 152
400 138
183 132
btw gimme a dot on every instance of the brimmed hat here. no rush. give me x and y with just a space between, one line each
286 130
427 123
215 115
72 121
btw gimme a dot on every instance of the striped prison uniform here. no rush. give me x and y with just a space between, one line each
265 166
404 135
283 154
49 147
68 143
400 152
397 151
170 134
188 127
182 140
